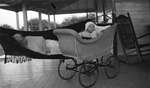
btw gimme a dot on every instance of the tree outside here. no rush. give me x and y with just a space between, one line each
33 25
6 26
75 19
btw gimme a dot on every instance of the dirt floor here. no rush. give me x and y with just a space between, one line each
43 74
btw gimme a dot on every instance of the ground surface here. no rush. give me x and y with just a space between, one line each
43 74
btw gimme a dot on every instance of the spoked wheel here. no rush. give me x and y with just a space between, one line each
113 67
88 75
66 69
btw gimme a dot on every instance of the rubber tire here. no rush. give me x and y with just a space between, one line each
113 69
71 72
82 72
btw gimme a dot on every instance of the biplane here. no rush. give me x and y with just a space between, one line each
78 55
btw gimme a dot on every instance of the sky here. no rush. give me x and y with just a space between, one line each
9 17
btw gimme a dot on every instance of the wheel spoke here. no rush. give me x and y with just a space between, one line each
66 69
88 75
113 67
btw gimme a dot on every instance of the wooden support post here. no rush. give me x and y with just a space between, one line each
24 9
40 21
103 8
114 6
17 20
96 7
54 21
96 17
49 26
87 15
114 11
